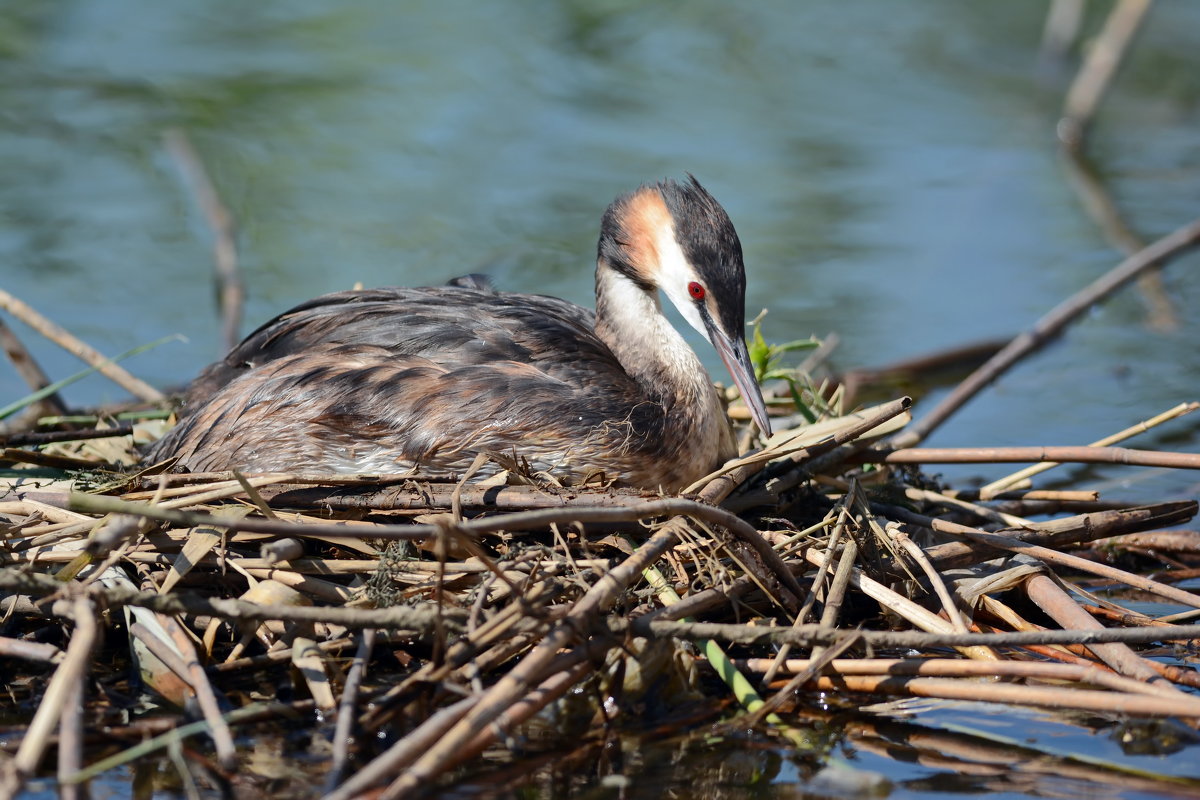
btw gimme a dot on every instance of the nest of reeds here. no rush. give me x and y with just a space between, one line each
414 622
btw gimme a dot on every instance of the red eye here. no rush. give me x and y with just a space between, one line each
696 291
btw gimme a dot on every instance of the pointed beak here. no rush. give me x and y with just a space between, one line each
737 360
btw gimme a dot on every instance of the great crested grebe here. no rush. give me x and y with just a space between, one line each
381 380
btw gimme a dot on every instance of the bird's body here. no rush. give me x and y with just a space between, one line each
381 380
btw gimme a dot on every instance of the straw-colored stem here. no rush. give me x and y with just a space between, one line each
996 487
55 333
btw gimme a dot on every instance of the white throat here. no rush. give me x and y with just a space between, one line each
631 322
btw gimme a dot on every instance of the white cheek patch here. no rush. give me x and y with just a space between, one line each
634 302
675 273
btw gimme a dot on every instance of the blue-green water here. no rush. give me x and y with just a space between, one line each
891 168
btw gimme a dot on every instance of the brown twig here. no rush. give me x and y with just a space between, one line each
962 668
1049 326
70 742
1062 455
59 691
812 635
995 488
828 451
531 669
205 696
518 521
1085 94
230 290
1014 545
138 388
27 367
1060 532
1051 598
418 618
50 437
345 720
1114 703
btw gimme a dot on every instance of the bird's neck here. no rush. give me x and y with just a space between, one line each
630 320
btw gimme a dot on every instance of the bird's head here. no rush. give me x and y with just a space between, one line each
677 238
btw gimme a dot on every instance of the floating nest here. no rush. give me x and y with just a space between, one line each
395 628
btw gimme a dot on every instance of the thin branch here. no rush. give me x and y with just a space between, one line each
998 486
1059 606
230 290
813 635
1050 326
29 370
414 618
55 333
1061 455
58 692
1093 80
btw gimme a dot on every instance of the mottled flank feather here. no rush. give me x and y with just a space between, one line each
384 380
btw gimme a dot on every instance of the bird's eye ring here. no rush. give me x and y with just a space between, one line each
696 290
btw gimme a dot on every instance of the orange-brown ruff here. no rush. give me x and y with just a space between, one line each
380 380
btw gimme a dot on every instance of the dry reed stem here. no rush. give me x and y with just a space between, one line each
820 437
53 437
61 689
516 521
902 606
1098 71
829 451
344 731
228 277
29 370
1111 703
1049 326
205 696
1014 494
1014 545
425 495
998 486
1050 597
518 681
404 751
40 459
913 551
960 668
30 651
161 650
835 595
70 742
813 635
549 690
1059 455
922 496
417 619
307 660
818 581
1077 529
511 617
117 374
